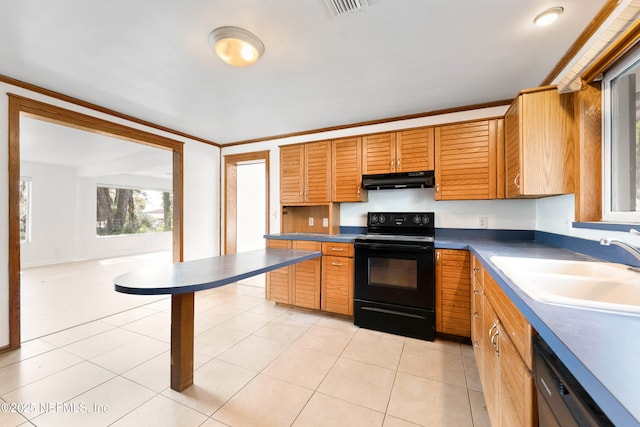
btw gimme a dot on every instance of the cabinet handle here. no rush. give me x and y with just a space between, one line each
495 325
337 264
358 191
515 181
494 341
437 188
337 249
398 164
392 164
437 257
305 194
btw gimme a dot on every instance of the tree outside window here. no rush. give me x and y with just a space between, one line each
133 211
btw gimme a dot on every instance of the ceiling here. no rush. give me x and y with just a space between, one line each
151 59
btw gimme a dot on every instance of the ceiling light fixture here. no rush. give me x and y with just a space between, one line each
548 17
236 46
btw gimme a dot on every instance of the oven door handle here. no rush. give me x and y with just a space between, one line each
394 247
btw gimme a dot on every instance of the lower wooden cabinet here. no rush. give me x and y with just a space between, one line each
337 278
507 383
278 282
324 283
453 292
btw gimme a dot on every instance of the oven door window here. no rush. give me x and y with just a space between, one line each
397 273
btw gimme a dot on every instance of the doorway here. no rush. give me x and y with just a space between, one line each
24 107
247 201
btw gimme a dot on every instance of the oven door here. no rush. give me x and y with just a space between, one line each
395 273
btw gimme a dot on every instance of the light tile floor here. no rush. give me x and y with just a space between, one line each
256 364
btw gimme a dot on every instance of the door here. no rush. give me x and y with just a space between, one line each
246 201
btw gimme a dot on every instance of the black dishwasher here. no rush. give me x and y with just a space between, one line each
561 399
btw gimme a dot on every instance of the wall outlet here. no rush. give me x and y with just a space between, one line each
310 221
483 222
325 222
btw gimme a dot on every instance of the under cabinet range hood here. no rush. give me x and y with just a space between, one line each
388 181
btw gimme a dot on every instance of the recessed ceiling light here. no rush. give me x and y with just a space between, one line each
236 46
548 17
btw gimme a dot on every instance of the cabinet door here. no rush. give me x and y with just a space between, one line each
539 128
306 277
292 173
278 282
513 150
379 153
346 158
414 150
517 388
476 308
337 284
490 361
466 161
453 292
317 180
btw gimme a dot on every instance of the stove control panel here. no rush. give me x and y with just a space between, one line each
400 220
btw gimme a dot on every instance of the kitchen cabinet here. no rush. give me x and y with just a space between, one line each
453 293
477 284
337 278
403 151
297 284
469 160
539 139
505 359
346 170
278 282
305 173
306 277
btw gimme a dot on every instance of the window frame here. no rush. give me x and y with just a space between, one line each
633 58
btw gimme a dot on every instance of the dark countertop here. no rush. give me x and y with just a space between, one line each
600 348
207 273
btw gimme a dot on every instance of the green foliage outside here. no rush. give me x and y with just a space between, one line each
132 211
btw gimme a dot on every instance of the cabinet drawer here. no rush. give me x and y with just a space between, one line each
337 249
514 322
278 244
307 245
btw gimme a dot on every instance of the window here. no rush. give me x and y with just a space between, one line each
25 210
622 141
132 211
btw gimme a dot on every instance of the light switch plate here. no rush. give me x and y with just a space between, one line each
310 221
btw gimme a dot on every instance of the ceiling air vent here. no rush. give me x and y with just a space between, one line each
343 7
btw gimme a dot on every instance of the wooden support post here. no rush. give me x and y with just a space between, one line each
182 320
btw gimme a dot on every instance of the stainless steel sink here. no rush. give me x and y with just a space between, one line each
599 285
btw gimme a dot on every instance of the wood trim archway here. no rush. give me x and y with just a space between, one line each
21 106
231 162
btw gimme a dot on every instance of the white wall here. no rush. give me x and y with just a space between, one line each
201 192
250 207
63 221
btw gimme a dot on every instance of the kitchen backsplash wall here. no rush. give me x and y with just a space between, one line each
499 214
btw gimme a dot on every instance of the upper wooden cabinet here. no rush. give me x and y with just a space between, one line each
346 170
404 151
305 173
539 142
470 160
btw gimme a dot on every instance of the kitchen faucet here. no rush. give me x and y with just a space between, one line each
606 241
